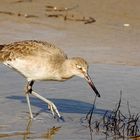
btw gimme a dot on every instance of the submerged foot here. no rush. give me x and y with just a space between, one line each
61 119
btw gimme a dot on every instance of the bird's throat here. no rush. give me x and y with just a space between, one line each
66 72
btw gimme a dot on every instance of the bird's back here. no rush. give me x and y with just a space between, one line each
36 60
23 49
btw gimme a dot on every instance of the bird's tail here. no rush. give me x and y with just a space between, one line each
1 54
1 47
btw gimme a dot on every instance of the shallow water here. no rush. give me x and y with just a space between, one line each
73 98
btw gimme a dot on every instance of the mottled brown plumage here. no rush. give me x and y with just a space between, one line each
39 60
29 47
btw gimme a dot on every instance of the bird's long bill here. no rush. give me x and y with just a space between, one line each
88 79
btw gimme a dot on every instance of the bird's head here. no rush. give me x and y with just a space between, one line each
80 68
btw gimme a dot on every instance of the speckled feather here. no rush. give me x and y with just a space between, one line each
23 49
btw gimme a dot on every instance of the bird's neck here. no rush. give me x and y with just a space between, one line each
66 70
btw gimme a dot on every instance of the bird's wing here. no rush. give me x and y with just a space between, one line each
22 49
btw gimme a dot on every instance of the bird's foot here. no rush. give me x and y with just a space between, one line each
54 110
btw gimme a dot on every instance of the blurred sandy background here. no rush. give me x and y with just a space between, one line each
105 41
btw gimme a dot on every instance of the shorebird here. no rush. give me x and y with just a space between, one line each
42 61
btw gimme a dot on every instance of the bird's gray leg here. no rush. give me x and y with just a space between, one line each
53 108
51 105
27 92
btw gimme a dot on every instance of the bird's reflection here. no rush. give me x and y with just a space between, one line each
28 134
50 133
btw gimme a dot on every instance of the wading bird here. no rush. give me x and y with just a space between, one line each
42 61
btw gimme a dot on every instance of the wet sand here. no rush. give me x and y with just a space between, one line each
111 49
107 41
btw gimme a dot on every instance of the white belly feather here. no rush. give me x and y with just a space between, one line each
32 69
